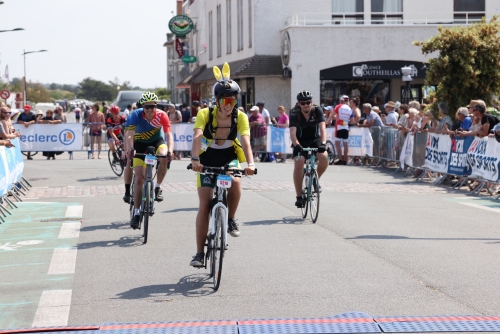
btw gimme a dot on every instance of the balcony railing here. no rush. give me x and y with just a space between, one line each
327 19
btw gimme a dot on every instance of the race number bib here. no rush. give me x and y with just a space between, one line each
224 181
204 144
150 159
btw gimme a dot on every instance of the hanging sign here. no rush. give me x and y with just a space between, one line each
180 25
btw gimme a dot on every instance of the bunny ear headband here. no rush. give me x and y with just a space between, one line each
225 72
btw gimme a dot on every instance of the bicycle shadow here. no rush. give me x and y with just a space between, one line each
112 226
295 220
101 178
195 285
129 241
180 210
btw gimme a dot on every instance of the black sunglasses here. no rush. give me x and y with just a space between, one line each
305 103
150 106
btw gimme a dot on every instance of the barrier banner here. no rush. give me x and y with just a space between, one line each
458 155
278 140
11 166
183 136
437 152
51 137
360 142
482 158
406 156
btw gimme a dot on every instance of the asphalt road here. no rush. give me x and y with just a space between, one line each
383 244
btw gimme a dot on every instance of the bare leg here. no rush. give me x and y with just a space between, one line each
346 148
139 182
339 150
322 163
233 197
297 175
205 195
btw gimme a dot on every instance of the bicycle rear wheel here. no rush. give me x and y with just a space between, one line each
131 205
305 197
218 249
147 207
116 165
330 148
314 199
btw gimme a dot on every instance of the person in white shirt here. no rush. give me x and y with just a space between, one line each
392 118
127 111
265 113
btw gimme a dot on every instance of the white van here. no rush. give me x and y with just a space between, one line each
126 97
44 107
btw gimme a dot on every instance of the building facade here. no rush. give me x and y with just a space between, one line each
329 47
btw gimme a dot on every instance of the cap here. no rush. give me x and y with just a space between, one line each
254 108
204 101
389 104
344 97
39 112
27 107
261 103
328 108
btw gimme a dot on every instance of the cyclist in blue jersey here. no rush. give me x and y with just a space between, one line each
144 128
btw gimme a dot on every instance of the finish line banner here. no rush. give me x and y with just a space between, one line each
11 166
51 137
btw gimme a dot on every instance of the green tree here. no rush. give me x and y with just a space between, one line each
163 93
468 65
35 92
95 90
59 94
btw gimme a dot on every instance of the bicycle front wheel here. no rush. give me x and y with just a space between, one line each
218 248
131 205
314 199
305 197
116 165
146 207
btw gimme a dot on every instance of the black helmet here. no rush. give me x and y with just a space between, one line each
195 103
304 96
226 88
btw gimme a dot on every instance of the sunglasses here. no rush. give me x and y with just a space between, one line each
227 100
150 106
304 103
5 113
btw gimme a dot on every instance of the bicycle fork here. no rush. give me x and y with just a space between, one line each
224 225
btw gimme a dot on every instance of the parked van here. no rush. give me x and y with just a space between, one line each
44 107
126 97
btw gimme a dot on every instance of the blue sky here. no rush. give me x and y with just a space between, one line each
102 39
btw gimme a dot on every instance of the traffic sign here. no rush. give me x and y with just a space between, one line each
188 59
5 94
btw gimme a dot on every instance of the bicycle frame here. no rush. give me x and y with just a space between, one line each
219 193
310 164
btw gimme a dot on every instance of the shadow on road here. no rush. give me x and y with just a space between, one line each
102 178
196 285
181 210
400 237
111 226
284 220
132 241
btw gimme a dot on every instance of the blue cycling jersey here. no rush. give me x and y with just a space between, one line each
145 131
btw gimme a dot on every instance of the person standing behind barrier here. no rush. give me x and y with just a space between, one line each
343 115
392 118
464 118
444 123
77 114
372 118
353 104
483 125
6 130
86 114
127 111
48 119
59 116
174 117
264 112
27 118
96 120
258 131
282 122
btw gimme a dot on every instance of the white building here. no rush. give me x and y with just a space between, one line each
277 48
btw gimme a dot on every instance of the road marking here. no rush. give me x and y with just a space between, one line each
63 261
53 309
74 211
69 230
481 207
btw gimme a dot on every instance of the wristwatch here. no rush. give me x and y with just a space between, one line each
195 159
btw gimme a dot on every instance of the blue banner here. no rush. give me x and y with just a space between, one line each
278 142
457 164
11 166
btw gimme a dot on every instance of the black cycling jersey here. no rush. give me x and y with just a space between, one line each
307 130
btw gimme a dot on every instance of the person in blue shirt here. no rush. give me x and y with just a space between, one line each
463 117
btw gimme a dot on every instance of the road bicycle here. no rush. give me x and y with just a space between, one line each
117 165
147 207
310 185
217 231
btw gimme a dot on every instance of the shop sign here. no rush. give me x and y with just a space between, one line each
373 70
180 25
179 48
188 59
287 73
286 48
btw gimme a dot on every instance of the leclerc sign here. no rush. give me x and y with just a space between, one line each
388 69
51 137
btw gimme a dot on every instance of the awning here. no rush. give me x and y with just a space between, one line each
188 79
249 67
182 86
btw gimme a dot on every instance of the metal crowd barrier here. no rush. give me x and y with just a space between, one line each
17 190
87 139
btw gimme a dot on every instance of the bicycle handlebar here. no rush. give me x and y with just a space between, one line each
222 170
156 155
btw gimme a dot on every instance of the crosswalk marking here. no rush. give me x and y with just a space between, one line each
63 261
69 230
53 308
74 211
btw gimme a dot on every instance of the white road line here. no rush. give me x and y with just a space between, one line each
63 261
74 211
53 309
480 207
69 230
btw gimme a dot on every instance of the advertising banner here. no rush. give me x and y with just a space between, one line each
458 155
278 140
11 166
360 142
437 152
483 158
183 136
406 156
51 137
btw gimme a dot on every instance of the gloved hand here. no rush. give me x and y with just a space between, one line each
322 148
297 149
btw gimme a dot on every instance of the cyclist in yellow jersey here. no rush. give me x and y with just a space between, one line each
215 144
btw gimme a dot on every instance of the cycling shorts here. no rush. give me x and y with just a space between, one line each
342 135
141 147
315 143
120 137
216 158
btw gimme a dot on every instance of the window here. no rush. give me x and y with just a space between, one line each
387 11
228 26
347 12
240 24
468 11
249 23
210 36
219 32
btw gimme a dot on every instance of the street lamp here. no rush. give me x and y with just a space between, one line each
407 94
24 55
16 29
